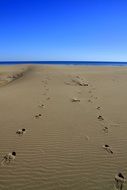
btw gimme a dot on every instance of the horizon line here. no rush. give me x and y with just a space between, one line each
28 61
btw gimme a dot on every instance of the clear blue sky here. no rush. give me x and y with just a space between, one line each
63 30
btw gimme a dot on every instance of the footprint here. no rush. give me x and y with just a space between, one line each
42 105
100 118
37 116
107 148
105 129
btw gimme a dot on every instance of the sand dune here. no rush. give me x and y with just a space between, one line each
62 147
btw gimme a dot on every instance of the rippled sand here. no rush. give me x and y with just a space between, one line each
62 149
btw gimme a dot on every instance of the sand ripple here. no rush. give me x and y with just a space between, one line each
54 154
62 164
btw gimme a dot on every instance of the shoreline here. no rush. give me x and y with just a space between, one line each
66 65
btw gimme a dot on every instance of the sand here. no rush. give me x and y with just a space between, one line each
62 148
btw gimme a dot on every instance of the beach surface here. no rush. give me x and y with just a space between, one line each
59 106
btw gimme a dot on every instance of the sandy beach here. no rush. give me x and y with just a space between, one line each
59 106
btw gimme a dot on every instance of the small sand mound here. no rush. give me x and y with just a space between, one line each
77 81
75 100
87 137
90 101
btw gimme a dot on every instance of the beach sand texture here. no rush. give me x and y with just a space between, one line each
62 148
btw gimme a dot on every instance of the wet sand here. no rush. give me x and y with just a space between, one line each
60 108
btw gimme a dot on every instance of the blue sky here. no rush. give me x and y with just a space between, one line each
63 30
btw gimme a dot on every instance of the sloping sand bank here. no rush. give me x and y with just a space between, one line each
11 73
60 108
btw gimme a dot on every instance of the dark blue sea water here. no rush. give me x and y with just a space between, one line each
86 63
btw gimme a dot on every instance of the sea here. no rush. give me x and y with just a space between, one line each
85 63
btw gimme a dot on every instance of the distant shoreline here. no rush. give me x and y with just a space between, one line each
74 63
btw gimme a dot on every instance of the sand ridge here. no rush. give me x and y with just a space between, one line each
10 74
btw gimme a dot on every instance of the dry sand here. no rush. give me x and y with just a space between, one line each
62 148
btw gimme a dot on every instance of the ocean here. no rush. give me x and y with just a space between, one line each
86 63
